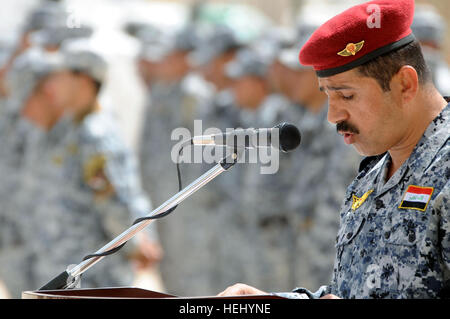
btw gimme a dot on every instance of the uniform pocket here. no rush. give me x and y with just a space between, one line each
351 225
404 228
403 233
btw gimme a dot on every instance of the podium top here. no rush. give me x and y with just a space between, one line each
122 293
98 293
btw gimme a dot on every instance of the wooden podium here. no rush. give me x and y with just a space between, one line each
122 293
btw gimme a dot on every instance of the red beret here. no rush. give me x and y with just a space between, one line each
358 35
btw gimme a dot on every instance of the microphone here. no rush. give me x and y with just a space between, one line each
284 136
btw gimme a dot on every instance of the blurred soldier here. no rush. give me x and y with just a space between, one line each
429 28
148 60
168 108
250 87
43 93
194 225
214 52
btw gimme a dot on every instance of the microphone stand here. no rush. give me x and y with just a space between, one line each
70 278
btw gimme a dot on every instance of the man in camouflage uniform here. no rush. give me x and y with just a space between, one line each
283 220
393 240
19 138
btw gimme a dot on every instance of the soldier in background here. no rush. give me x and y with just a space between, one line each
43 86
429 29
246 198
190 233
211 57
167 108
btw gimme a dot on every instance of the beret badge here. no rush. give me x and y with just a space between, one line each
351 49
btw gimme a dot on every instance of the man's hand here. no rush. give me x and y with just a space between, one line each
330 296
241 289
147 254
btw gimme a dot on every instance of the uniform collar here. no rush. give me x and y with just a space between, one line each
431 142
434 137
60 129
436 134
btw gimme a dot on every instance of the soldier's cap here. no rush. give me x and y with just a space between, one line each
39 62
162 43
81 56
247 62
428 25
359 35
219 41
48 13
137 28
289 56
55 35
30 67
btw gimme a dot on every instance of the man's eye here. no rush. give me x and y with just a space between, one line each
347 98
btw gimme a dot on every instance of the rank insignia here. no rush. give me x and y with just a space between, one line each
358 201
351 49
416 197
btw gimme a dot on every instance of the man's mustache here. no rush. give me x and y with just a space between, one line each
345 127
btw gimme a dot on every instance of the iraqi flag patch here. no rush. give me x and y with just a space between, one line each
416 197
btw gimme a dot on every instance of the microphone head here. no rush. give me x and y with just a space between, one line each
290 137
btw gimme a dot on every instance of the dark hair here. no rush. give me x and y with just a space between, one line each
384 67
97 84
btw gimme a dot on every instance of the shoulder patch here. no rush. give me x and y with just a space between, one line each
95 177
416 197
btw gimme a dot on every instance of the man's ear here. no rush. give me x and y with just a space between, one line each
405 84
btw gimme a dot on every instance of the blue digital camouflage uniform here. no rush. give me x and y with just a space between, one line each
402 250
19 139
392 244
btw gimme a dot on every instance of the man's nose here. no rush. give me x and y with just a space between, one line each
336 113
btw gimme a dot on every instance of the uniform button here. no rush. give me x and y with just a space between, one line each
379 204
412 237
387 234
349 235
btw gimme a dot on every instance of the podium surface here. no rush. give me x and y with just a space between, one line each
122 293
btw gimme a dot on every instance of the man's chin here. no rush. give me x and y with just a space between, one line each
367 151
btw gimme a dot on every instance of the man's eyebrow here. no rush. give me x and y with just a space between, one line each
336 88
